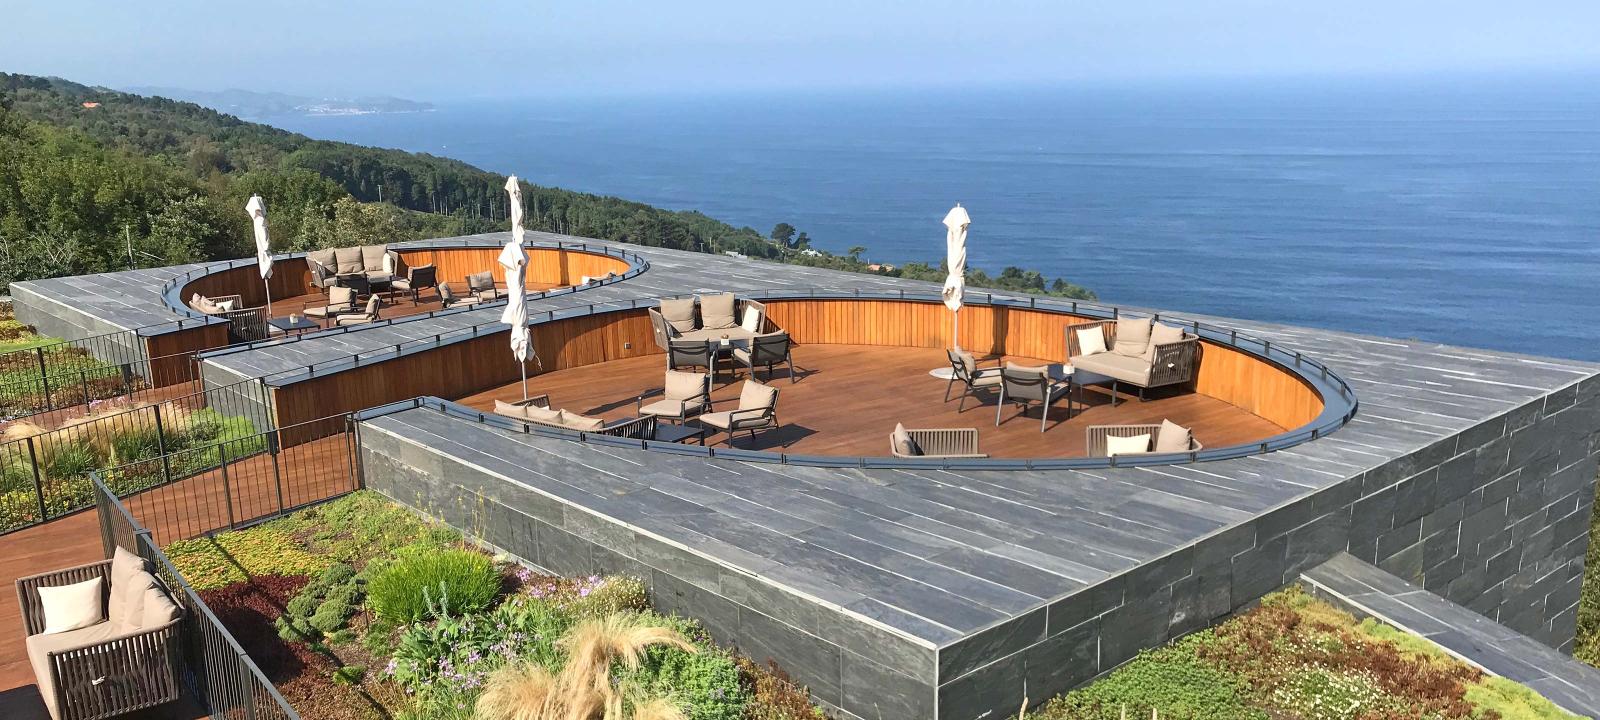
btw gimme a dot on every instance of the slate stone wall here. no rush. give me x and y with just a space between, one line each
856 668
1495 518
56 320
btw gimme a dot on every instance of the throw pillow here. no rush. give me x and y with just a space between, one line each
1133 336
544 415
582 422
1160 335
69 607
679 313
903 444
752 319
225 305
502 407
1091 341
1136 445
716 312
159 609
1172 438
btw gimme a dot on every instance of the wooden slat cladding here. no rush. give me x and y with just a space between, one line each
289 278
1235 377
172 354
545 265
467 367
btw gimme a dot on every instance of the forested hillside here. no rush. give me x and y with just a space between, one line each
87 172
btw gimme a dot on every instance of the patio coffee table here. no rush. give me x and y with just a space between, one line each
297 327
679 433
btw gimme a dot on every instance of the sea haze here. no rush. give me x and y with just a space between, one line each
1464 211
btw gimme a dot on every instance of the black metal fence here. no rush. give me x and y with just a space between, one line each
215 670
44 473
72 372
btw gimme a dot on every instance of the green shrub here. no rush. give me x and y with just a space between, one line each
17 475
70 460
18 508
134 444
453 581
1171 680
302 605
338 573
349 674
707 681
608 595
1513 701
330 616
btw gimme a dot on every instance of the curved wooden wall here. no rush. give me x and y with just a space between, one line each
1235 377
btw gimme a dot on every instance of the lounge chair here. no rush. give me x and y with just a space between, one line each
448 298
417 279
1133 351
690 354
218 305
964 369
758 410
368 314
482 286
767 351
1022 385
1163 437
120 656
341 300
684 395
934 443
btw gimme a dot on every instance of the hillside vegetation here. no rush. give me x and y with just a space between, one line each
93 179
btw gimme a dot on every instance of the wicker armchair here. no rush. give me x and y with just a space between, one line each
102 670
1094 437
939 443
1162 364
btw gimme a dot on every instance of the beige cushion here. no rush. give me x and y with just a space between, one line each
752 320
203 304
667 408
1035 369
1127 369
1133 336
544 415
989 379
719 419
1161 335
716 312
39 648
733 333
1136 445
159 609
679 313
69 607
348 260
502 407
581 422
754 395
903 444
325 258
1172 437
124 566
341 296
1091 341
226 306
967 361
388 263
372 257
132 596
684 385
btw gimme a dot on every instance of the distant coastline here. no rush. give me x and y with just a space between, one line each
249 104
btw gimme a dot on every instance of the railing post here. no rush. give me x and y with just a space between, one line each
83 380
38 482
249 698
44 378
161 447
227 492
275 438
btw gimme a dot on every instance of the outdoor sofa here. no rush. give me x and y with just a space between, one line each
537 411
934 443
1163 437
707 318
377 264
117 653
1133 351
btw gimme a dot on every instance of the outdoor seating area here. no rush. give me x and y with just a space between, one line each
851 396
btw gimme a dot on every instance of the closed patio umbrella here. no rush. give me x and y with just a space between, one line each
955 256
258 220
515 261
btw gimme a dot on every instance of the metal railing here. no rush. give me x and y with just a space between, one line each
212 666
45 475
71 372
242 481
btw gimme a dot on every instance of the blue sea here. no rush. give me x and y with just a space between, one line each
1457 210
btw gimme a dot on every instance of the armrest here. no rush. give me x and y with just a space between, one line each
751 414
540 401
129 638
28 589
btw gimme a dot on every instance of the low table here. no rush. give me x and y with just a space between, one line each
1076 380
679 433
294 326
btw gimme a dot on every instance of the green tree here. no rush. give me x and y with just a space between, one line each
854 253
185 231
803 242
783 234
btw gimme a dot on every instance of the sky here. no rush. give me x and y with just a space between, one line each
451 50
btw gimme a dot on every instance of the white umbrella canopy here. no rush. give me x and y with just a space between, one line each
955 249
257 208
515 261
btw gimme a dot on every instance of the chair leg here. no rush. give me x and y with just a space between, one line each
791 370
1044 412
1113 393
949 384
1141 395
998 405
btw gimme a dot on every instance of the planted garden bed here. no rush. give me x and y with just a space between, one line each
357 608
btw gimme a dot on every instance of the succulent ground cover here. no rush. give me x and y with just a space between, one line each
1297 658
358 608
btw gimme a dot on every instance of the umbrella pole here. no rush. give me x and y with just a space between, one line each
955 329
267 286
524 366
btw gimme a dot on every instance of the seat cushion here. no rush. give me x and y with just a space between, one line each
378 277
69 607
684 385
1091 341
544 415
581 422
1136 445
903 444
665 408
718 420
372 257
754 396
1161 334
39 647
1127 369
1172 437
1133 336
716 312
988 379
347 260
679 313
704 334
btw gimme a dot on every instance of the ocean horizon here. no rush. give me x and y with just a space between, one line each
1462 211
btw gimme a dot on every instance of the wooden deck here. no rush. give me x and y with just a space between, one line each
849 397
394 305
